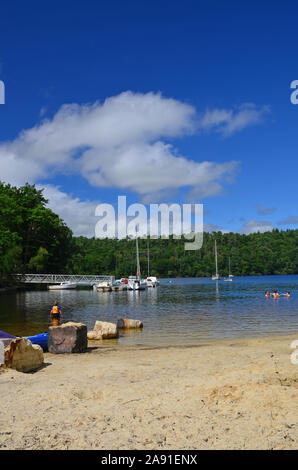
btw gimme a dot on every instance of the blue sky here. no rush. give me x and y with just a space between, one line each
158 88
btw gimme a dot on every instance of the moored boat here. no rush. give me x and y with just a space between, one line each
215 277
122 281
230 275
104 286
63 285
136 282
152 281
118 287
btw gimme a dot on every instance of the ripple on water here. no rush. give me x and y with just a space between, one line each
187 311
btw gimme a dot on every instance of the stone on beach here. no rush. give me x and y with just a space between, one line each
67 338
2 350
103 330
126 323
23 356
2 353
4 342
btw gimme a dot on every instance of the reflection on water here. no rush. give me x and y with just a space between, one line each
183 312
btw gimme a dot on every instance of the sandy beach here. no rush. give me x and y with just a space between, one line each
235 394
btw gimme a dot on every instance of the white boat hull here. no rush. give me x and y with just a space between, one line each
136 284
62 286
104 286
152 281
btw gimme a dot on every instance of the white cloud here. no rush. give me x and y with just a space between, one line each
213 228
291 220
253 226
118 144
265 210
78 215
43 111
121 143
229 121
120 123
150 168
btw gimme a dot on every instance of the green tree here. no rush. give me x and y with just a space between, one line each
38 263
36 236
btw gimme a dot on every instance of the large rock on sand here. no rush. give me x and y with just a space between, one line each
2 353
4 342
23 356
127 323
103 330
67 338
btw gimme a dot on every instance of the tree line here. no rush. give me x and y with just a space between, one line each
34 239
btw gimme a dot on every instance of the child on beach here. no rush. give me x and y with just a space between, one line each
56 314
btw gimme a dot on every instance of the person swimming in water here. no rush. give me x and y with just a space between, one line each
275 294
287 294
267 294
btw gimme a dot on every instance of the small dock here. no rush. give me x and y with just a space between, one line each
80 279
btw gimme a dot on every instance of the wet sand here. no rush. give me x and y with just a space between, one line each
232 394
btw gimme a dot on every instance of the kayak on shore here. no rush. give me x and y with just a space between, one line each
4 335
41 339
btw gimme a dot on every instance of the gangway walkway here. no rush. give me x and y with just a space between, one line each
83 279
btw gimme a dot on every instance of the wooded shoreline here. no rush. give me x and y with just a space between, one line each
33 239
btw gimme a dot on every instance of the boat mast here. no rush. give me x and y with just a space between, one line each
148 257
229 265
138 259
216 269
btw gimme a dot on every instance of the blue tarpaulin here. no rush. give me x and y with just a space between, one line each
6 335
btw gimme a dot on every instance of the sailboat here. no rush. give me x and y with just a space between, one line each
229 279
152 281
215 277
135 282
230 275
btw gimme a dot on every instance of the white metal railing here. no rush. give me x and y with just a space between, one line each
57 278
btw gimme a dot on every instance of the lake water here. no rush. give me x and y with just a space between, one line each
183 311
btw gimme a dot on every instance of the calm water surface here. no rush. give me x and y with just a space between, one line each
184 311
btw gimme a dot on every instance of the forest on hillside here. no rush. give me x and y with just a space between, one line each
34 239
259 253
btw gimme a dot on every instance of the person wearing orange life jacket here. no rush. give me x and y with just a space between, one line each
56 314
